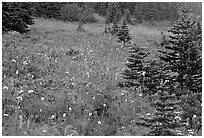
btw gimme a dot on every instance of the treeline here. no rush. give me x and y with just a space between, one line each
134 12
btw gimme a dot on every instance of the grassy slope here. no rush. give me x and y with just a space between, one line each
101 59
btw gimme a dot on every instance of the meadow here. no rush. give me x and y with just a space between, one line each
76 72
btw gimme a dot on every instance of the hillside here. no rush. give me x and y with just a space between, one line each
97 66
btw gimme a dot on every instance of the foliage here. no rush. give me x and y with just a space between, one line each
71 12
48 9
162 122
115 28
123 34
113 12
15 17
135 66
182 54
128 17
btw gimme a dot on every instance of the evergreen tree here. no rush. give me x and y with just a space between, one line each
135 66
182 53
183 58
162 122
123 34
15 17
138 13
113 12
128 16
115 28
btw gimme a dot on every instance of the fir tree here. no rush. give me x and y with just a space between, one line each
128 16
183 58
182 54
135 67
162 122
115 28
138 13
123 35
113 12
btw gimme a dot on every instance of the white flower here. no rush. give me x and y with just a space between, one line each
53 116
70 108
25 63
13 60
148 114
143 73
6 115
132 101
90 114
42 98
94 97
104 104
64 115
178 117
194 116
20 91
30 91
16 71
99 122
5 87
140 94
19 98
44 131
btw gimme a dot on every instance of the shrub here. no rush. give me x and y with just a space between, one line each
71 12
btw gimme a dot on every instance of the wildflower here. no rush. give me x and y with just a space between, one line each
44 131
19 98
148 114
20 91
25 63
5 87
99 122
140 94
64 115
13 60
178 117
42 98
6 115
30 91
70 108
94 97
16 71
104 104
53 116
143 73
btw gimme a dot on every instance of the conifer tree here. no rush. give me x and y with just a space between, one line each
138 13
113 12
162 122
123 35
183 58
182 53
115 28
135 66
128 16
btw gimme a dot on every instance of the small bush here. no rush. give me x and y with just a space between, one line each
87 16
71 12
